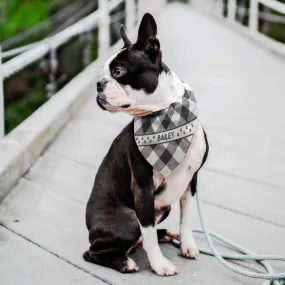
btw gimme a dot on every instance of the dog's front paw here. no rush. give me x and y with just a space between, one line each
163 267
189 248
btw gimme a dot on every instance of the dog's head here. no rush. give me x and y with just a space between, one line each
133 80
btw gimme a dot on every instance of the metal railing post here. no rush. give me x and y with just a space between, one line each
2 118
253 16
141 9
52 68
87 39
104 34
232 4
130 14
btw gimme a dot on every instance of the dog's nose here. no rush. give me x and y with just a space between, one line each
101 84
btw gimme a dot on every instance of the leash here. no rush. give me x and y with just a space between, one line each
245 254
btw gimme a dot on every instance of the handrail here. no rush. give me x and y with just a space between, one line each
100 18
67 11
53 42
1 100
214 6
253 24
273 4
88 23
19 50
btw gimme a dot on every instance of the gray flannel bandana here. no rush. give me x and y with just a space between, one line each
164 137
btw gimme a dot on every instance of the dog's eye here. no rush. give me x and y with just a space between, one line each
118 72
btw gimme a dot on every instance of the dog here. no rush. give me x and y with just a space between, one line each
130 196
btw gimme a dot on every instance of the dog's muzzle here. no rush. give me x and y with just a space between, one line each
101 98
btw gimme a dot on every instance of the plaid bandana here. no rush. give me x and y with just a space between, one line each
164 137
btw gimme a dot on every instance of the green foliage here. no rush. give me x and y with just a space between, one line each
18 110
22 15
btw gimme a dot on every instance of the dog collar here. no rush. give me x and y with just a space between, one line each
164 137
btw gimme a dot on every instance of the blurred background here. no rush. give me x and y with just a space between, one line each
24 22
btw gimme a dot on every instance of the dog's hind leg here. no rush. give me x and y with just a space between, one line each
164 235
115 260
111 239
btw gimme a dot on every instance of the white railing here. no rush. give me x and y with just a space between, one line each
99 19
1 100
253 23
216 7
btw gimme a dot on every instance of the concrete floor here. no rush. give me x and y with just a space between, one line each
240 91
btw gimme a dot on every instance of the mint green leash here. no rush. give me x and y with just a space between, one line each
270 276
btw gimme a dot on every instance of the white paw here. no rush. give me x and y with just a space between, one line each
159 264
131 266
189 249
164 267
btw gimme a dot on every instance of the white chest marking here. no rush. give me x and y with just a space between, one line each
180 178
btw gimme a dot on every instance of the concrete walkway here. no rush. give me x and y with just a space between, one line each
240 90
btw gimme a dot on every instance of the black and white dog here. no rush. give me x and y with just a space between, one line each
130 196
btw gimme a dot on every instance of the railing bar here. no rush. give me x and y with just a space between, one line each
273 4
103 34
117 17
267 16
10 53
15 64
58 16
16 51
55 41
264 39
88 23
1 100
232 5
76 17
130 12
113 4
253 17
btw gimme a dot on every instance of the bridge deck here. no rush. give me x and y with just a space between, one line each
240 90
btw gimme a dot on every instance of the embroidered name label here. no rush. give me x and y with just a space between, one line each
167 136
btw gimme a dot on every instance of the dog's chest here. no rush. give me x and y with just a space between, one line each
177 182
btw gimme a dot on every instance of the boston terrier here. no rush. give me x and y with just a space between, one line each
151 164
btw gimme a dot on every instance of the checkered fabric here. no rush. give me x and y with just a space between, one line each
164 137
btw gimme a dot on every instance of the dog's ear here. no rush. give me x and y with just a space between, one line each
147 30
127 42
147 37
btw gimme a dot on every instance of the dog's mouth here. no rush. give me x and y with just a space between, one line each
138 112
104 105
125 106
102 102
